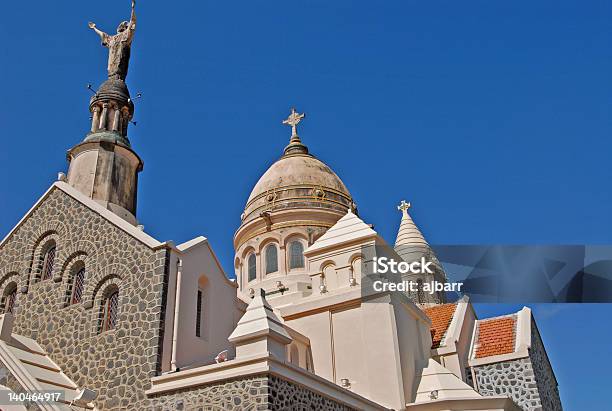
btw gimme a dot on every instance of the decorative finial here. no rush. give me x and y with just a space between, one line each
404 206
293 120
295 146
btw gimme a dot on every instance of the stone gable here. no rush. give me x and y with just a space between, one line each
118 364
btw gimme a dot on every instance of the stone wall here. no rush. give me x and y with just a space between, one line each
530 381
256 393
287 396
544 375
248 393
117 364
514 378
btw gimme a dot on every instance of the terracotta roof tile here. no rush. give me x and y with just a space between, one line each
441 317
496 336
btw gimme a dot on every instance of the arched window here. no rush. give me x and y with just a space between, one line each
252 267
78 285
109 310
294 355
271 259
10 295
296 255
202 308
47 261
199 303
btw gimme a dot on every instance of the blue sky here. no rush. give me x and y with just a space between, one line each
492 118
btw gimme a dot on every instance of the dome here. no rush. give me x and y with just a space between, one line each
115 90
296 170
297 181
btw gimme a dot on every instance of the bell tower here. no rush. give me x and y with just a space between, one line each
104 166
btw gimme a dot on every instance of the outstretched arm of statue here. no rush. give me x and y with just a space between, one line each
98 31
133 18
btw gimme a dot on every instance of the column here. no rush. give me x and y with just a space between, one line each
96 118
116 120
104 118
125 115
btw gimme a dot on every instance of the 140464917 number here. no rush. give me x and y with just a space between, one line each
22 397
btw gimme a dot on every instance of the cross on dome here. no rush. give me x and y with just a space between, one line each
293 120
404 206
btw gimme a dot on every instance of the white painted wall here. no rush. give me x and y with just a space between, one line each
220 310
379 346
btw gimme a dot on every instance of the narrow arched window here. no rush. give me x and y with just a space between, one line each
10 295
110 309
252 267
296 255
294 355
271 259
48 260
199 302
78 285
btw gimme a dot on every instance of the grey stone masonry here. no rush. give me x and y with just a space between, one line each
255 393
287 396
247 393
529 381
514 379
118 364
544 374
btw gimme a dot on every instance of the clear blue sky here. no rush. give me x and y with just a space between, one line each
491 117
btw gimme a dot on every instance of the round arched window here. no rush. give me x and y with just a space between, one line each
47 262
296 255
78 285
110 311
271 259
10 296
252 267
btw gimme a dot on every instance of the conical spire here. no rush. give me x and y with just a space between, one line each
411 246
408 233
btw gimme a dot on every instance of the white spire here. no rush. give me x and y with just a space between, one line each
260 331
259 319
437 382
408 234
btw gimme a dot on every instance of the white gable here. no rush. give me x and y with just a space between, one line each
443 383
349 228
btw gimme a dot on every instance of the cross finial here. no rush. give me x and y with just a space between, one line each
404 206
293 120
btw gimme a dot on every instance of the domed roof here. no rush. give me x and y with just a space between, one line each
113 89
298 180
294 170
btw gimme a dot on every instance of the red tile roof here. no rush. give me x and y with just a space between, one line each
496 336
441 317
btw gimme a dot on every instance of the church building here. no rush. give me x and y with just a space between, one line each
114 319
